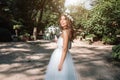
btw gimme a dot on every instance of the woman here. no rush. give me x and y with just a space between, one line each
61 66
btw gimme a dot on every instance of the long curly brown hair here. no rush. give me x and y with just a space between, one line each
70 25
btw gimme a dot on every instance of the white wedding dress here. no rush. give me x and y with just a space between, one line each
68 71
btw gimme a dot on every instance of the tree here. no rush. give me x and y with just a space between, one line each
104 20
79 14
35 13
6 12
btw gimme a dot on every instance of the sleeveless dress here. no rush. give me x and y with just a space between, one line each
68 70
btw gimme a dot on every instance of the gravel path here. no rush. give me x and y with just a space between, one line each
28 60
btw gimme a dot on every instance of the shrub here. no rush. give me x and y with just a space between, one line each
25 37
109 39
90 36
116 52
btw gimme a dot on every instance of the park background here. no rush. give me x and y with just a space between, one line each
28 29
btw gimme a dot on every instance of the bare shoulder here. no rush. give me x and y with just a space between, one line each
65 32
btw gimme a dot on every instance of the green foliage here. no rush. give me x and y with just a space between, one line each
80 14
17 26
31 13
116 52
38 13
109 39
90 36
25 37
5 10
104 19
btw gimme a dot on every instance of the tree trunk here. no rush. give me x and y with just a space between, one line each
16 32
38 18
35 33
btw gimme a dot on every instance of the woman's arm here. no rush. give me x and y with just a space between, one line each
65 48
55 39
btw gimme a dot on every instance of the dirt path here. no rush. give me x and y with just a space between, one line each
28 61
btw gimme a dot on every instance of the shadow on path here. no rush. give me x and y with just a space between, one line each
24 61
28 61
92 64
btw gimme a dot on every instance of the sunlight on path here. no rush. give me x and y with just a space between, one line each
28 61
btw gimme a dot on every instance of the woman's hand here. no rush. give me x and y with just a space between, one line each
59 67
55 39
